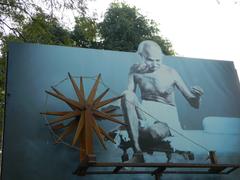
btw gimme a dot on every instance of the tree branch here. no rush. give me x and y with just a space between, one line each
14 30
18 5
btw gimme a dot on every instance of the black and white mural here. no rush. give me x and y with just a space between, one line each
177 109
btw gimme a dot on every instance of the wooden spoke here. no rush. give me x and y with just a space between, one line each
112 115
66 116
88 133
59 93
56 113
63 98
57 127
93 90
77 91
106 116
80 126
106 135
109 110
98 133
99 98
103 103
83 152
82 87
115 115
71 126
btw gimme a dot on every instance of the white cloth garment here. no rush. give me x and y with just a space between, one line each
165 113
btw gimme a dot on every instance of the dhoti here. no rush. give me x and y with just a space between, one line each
157 119
156 111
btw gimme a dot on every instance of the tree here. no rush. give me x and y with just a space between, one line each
85 32
124 27
165 44
13 13
46 30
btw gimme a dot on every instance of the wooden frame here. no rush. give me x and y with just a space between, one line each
85 113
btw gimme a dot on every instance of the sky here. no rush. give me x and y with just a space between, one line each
208 29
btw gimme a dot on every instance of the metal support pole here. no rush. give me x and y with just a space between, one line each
158 176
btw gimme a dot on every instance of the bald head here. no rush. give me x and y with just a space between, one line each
150 49
151 54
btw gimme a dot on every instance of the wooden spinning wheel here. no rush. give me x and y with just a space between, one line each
84 114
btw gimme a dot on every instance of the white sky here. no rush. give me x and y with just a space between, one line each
207 29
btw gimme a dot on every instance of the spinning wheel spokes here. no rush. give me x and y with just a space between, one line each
84 115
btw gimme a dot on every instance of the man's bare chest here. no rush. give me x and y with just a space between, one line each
155 81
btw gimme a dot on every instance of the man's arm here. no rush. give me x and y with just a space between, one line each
131 83
129 102
193 96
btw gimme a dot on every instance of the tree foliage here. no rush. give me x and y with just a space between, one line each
46 30
16 13
164 43
124 27
85 32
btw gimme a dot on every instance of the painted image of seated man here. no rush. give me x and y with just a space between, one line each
154 115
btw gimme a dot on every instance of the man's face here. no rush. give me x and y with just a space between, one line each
152 58
153 64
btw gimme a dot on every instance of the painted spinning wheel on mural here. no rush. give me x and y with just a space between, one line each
84 114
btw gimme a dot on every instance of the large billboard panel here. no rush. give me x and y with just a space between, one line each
177 109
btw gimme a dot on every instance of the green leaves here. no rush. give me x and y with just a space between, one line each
46 30
165 45
124 27
85 32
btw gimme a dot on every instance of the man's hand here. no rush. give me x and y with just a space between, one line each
197 91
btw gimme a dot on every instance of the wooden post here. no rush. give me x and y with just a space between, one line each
213 157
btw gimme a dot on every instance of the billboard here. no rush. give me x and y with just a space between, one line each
177 109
